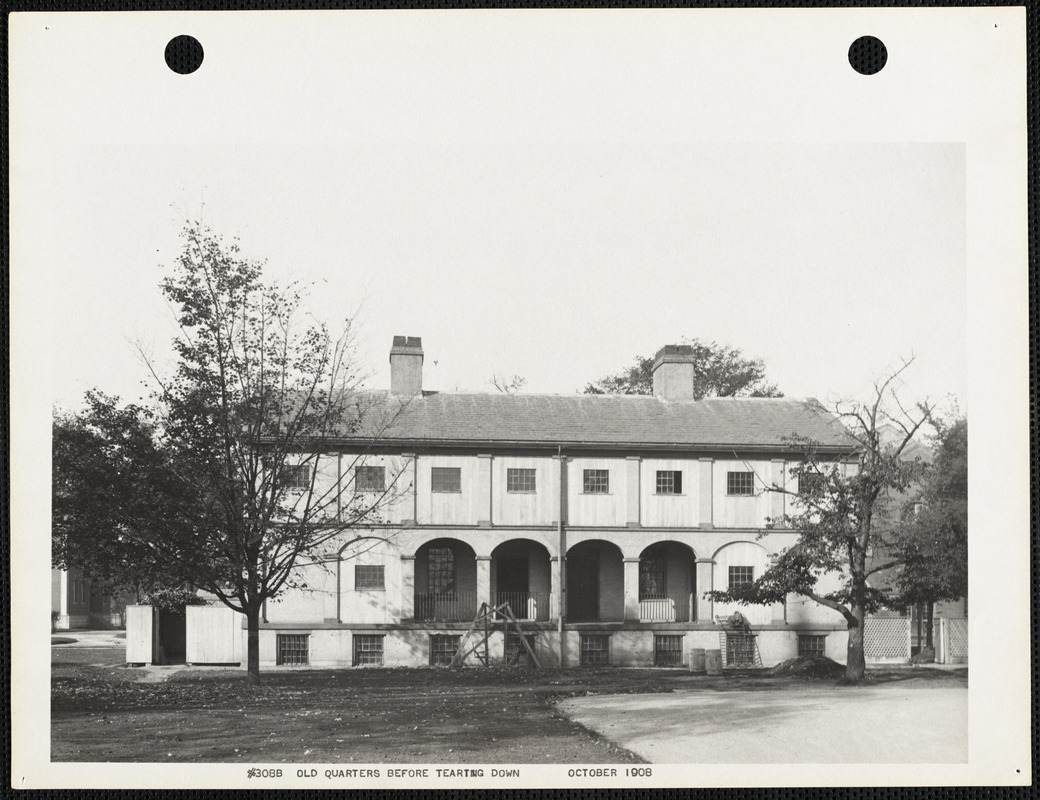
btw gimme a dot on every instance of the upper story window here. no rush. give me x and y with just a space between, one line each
741 576
520 480
810 482
295 476
740 483
370 479
596 481
669 481
446 479
368 577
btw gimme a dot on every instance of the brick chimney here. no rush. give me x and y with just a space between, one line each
673 373
406 357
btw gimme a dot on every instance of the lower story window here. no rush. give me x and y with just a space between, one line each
516 653
812 645
368 649
443 649
595 649
292 648
668 651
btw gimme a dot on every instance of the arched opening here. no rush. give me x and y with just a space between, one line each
521 576
445 581
736 563
595 582
667 583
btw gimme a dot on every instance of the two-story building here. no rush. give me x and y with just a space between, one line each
601 519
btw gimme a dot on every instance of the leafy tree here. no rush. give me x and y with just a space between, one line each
239 449
719 371
110 482
843 514
933 544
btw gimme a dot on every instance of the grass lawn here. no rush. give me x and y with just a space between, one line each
102 711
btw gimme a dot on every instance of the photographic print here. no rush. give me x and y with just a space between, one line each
514 399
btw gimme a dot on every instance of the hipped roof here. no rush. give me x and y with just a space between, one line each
608 421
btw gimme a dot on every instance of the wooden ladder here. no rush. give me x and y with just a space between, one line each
744 646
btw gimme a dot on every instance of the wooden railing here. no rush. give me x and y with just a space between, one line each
525 605
445 606
669 607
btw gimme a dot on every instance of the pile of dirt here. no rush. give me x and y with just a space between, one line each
810 667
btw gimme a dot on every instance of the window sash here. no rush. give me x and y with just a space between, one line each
669 481
369 577
520 480
742 483
295 477
446 479
370 479
440 569
741 576
293 648
596 481
443 648
368 649
595 649
812 644
652 578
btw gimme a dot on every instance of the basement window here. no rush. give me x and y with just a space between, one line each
669 481
595 649
812 645
668 650
520 480
596 481
368 650
443 649
292 648
742 483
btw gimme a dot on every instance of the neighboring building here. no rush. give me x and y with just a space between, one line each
650 502
74 604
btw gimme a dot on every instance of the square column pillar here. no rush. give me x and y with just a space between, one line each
779 479
707 466
484 580
632 515
484 490
631 590
407 600
555 588
704 606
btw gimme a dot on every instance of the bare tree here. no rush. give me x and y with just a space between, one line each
845 513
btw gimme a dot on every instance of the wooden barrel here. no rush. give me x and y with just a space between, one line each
713 662
697 659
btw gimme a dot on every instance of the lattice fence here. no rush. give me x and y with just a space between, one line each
957 638
886 639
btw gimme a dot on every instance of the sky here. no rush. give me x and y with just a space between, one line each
550 215
559 263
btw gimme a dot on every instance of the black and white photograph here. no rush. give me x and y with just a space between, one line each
519 398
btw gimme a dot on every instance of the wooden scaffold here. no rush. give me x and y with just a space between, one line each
484 625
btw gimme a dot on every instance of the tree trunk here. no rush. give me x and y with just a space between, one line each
253 642
928 626
855 661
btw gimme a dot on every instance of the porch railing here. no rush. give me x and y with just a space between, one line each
526 605
670 607
445 606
